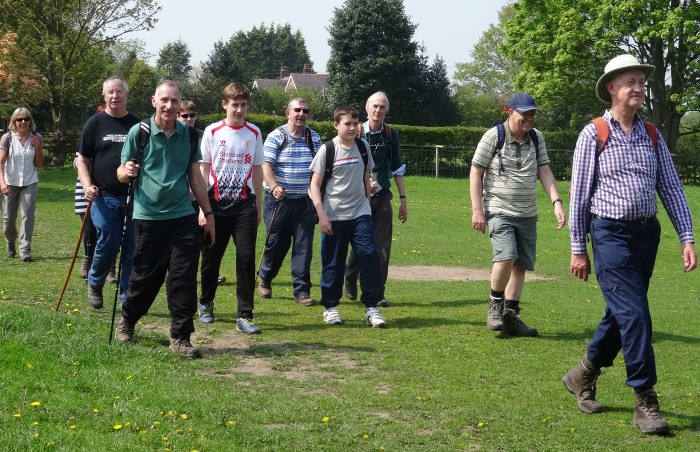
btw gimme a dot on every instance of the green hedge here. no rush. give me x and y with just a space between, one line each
413 135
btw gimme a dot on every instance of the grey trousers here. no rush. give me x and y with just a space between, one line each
26 197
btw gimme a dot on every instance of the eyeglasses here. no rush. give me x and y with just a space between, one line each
23 120
186 116
304 110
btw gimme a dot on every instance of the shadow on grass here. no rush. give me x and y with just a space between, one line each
459 303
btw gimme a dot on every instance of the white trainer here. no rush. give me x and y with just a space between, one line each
374 318
332 317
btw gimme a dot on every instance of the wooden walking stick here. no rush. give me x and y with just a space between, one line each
86 217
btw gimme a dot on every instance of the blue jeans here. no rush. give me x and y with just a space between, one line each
294 226
624 253
107 215
382 220
334 250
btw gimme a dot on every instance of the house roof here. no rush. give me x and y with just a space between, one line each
317 81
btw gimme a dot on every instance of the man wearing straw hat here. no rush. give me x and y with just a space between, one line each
613 198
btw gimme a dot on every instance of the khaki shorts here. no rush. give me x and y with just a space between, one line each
513 238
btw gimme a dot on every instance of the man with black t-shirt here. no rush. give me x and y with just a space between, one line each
99 154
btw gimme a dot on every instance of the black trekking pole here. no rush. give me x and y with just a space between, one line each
267 238
127 205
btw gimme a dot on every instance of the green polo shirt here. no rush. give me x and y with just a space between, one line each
162 188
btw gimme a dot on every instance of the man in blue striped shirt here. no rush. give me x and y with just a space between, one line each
290 218
613 197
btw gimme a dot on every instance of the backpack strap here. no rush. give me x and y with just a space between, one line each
536 141
328 171
144 136
500 140
652 131
363 151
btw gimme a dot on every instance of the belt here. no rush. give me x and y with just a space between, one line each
636 220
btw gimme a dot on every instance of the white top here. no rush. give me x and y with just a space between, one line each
20 170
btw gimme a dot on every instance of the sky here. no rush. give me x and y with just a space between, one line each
448 28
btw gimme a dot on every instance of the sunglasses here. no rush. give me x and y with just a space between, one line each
186 116
305 110
23 120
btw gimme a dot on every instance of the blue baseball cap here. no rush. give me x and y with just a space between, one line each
522 102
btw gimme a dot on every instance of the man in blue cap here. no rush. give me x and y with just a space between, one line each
503 188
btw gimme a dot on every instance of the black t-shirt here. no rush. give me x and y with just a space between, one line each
102 140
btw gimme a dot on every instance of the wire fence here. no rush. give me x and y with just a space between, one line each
455 162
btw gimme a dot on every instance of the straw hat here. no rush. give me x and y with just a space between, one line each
620 63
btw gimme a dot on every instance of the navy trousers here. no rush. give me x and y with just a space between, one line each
624 254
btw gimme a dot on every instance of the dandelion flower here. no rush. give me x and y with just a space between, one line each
30 366
230 423
17 415
365 435
35 423
117 427
95 410
480 424
325 419
183 416
36 403
68 325
129 377
72 427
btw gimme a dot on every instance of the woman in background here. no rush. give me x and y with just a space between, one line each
20 155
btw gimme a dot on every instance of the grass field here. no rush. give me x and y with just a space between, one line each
435 379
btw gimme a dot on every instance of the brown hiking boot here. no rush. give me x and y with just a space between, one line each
264 289
514 326
494 319
580 381
125 331
304 300
85 268
646 413
185 348
111 276
95 297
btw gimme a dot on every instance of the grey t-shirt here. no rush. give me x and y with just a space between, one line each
345 197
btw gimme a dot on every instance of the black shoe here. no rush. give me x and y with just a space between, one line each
514 326
95 297
220 279
350 290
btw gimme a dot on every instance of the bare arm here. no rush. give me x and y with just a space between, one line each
315 193
268 172
198 185
403 208
258 187
476 192
3 159
38 150
82 164
549 184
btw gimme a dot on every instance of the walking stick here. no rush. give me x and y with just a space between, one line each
127 204
86 218
267 237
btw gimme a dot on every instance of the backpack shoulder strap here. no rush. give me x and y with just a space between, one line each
388 134
363 151
536 141
602 134
144 136
328 171
653 134
309 140
283 130
501 137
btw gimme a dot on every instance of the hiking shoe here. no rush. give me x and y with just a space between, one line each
220 279
125 331
26 258
580 381
247 326
11 252
350 290
646 413
494 318
95 297
304 300
206 312
185 348
85 267
264 289
514 326
332 317
111 276
383 303
374 318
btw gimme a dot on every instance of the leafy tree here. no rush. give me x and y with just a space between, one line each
372 49
440 107
142 80
258 53
58 37
174 62
563 47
